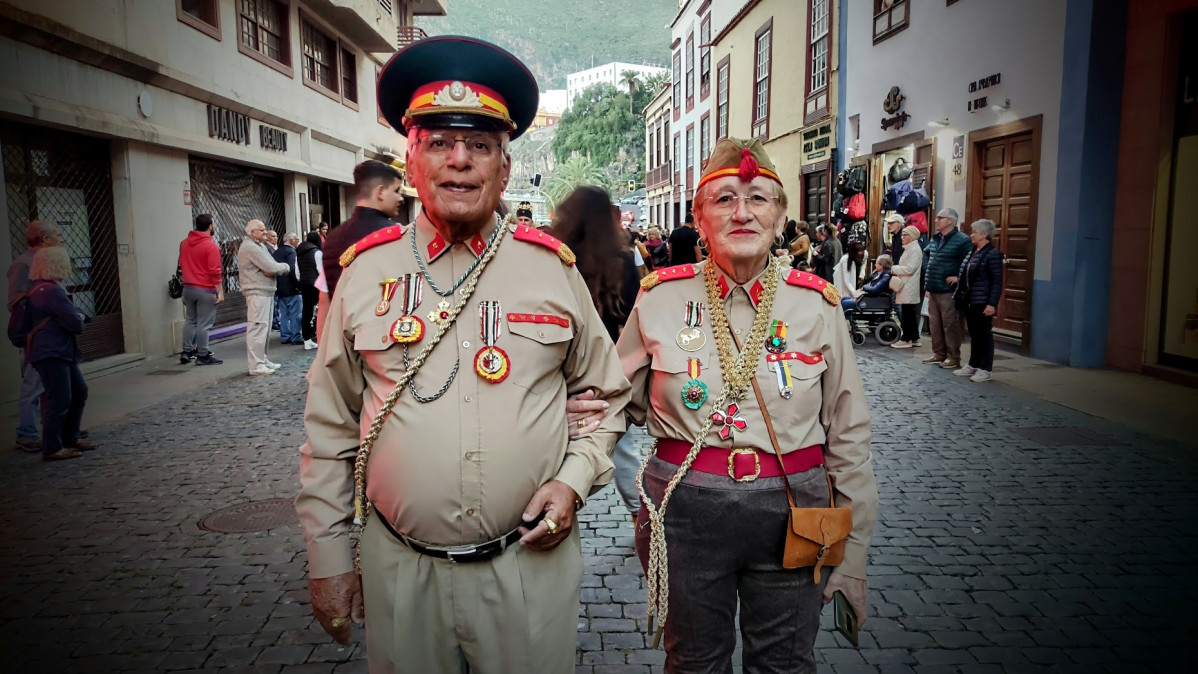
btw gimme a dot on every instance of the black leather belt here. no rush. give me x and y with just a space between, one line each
460 553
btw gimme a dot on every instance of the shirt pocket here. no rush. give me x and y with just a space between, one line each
536 353
375 335
805 386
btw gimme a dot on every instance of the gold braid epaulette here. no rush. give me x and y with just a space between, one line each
393 233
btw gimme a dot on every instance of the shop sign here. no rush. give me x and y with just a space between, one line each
893 105
271 138
817 142
976 103
228 125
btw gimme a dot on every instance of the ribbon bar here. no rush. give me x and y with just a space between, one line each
539 318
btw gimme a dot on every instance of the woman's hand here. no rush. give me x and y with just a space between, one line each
989 310
584 413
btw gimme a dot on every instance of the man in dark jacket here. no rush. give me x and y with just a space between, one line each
287 292
379 199
203 289
942 259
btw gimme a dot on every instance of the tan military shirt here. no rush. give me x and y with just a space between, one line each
460 469
827 401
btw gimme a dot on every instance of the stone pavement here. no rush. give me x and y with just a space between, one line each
1001 547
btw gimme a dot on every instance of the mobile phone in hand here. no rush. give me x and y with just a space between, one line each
846 618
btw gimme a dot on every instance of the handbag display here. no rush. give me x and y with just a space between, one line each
174 287
815 537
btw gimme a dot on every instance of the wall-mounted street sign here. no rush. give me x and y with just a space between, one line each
228 125
976 103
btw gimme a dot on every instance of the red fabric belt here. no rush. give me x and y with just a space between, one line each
742 465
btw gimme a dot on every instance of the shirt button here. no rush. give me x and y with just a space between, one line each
470 512
468 399
465 345
384 339
541 334
738 331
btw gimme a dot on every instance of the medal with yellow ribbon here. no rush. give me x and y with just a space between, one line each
694 392
491 363
409 328
388 285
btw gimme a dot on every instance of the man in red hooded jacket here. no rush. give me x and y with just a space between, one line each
203 289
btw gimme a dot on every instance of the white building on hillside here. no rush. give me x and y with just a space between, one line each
611 73
554 101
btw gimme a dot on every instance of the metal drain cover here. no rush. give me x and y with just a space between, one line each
1060 436
252 516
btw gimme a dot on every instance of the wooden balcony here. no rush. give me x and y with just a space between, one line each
409 34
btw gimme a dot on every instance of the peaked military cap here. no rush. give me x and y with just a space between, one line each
451 81
524 209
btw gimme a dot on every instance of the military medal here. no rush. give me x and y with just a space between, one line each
441 315
729 421
409 329
388 285
491 363
694 392
776 342
782 369
691 338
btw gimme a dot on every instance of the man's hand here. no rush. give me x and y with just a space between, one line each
336 602
585 409
220 295
951 280
855 590
556 499
989 310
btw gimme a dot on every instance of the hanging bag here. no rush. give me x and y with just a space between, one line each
174 286
856 207
899 171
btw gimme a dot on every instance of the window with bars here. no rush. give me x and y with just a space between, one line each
890 17
320 56
263 29
721 98
349 76
203 15
690 69
820 40
690 154
677 84
705 58
677 155
761 79
704 139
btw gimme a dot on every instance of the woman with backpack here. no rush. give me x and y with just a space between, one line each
52 350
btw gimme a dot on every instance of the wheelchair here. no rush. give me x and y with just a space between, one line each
874 314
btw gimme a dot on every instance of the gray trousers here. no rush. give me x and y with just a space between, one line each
627 458
200 307
725 541
944 322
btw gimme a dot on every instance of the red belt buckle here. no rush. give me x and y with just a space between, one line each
733 464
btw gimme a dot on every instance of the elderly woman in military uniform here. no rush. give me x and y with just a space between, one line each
760 490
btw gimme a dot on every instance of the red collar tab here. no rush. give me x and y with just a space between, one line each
756 290
439 245
722 284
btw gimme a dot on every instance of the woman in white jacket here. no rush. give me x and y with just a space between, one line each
905 283
847 273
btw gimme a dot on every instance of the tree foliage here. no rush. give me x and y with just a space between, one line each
571 174
604 125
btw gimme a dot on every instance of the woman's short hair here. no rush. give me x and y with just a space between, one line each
51 264
655 231
986 228
885 260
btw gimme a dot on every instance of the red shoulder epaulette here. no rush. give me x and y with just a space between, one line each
805 279
392 233
667 274
526 233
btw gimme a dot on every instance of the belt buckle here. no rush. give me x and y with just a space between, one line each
732 464
464 554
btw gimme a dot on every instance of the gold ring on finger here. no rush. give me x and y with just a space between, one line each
338 623
552 525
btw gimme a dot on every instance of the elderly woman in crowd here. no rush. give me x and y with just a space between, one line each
743 372
979 283
55 355
905 283
877 285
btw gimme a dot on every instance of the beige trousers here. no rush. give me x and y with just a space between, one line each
513 614
258 310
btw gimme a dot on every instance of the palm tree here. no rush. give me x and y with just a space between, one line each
576 171
631 80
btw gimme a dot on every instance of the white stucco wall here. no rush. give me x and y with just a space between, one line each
933 61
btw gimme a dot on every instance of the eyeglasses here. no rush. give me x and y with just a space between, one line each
477 146
725 204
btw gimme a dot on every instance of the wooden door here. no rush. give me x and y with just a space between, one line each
1003 188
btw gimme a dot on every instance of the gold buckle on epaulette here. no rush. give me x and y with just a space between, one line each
732 464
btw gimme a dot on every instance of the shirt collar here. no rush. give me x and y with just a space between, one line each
754 288
435 245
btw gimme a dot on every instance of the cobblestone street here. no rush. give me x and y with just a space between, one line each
1001 546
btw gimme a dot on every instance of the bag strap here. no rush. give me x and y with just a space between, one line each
769 428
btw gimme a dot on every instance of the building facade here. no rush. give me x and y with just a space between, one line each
659 192
609 73
691 72
122 121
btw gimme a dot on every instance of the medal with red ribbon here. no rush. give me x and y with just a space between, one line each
409 329
491 363
776 342
691 338
694 392
384 305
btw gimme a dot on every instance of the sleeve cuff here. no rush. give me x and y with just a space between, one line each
854 562
333 558
578 474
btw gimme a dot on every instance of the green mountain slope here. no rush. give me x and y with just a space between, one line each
559 37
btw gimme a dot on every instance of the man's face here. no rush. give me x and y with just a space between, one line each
460 175
747 230
272 237
258 232
388 198
525 220
893 226
944 223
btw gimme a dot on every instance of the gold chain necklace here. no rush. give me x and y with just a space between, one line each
738 373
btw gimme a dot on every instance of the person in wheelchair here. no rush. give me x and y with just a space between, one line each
877 285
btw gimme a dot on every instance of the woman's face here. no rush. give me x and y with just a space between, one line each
324 230
906 238
748 230
977 238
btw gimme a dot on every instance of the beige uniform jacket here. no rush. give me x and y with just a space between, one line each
827 403
461 469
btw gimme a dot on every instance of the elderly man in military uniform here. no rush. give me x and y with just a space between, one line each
524 214
437 403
